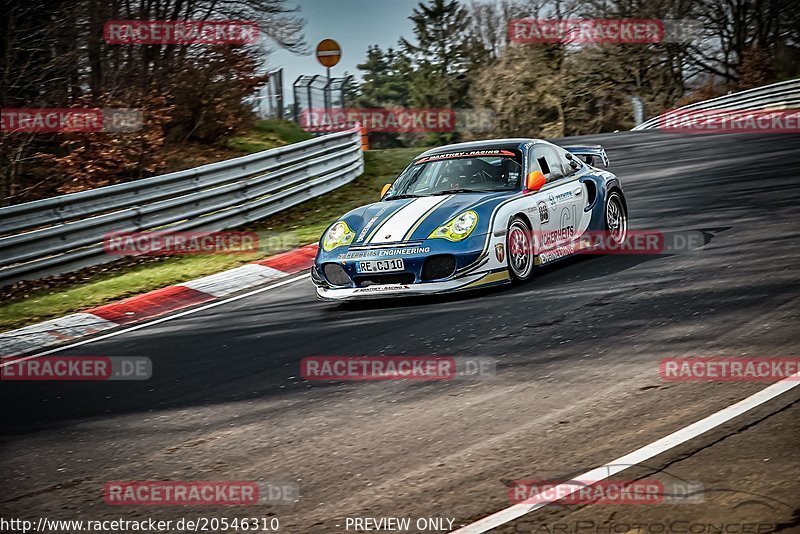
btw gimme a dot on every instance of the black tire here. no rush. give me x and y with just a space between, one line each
519 248
616 218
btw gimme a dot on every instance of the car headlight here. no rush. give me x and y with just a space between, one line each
457 228
337 235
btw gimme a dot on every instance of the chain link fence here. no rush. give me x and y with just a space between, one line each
320 92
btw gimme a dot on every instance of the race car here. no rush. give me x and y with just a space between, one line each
471 215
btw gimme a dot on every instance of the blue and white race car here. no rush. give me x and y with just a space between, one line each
471 215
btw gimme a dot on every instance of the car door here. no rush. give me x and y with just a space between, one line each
559 204
574 170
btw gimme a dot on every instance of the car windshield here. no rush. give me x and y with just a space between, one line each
448 173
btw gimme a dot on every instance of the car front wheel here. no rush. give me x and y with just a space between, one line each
519 245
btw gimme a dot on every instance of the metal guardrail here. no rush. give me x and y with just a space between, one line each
65 233
781 95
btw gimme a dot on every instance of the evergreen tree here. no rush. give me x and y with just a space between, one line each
440 56
385 79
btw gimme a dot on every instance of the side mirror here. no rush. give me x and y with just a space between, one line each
385 189
535 181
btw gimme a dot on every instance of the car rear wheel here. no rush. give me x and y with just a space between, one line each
520 249
616 218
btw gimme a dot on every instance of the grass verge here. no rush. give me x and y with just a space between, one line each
268 134
264 134
28 303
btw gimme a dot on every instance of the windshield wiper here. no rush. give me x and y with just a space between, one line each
452 191
397 197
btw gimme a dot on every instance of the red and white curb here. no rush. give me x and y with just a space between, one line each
159 302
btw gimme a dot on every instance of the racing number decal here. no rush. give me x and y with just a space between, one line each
544 212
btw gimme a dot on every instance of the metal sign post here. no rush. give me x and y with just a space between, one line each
328 54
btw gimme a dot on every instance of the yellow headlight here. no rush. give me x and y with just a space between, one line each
457 228
337 235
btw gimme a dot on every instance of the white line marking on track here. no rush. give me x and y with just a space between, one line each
213 304
636 457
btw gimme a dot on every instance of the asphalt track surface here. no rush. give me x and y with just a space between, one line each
577 349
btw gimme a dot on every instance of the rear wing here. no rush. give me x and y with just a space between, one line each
591 154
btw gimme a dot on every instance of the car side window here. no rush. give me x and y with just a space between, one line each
549 163
570 166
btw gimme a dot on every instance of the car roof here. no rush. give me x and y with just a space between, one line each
488 144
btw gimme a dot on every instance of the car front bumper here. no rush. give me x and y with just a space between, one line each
472 269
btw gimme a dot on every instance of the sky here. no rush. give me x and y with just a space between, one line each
354 24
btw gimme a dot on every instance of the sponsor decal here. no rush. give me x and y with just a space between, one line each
369 224
557 253
555 199
207 32
553 237
383 252
78 368
379 288
467 154
729 369
499 252
642 491
544 212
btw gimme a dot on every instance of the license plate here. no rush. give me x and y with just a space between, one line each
380 266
